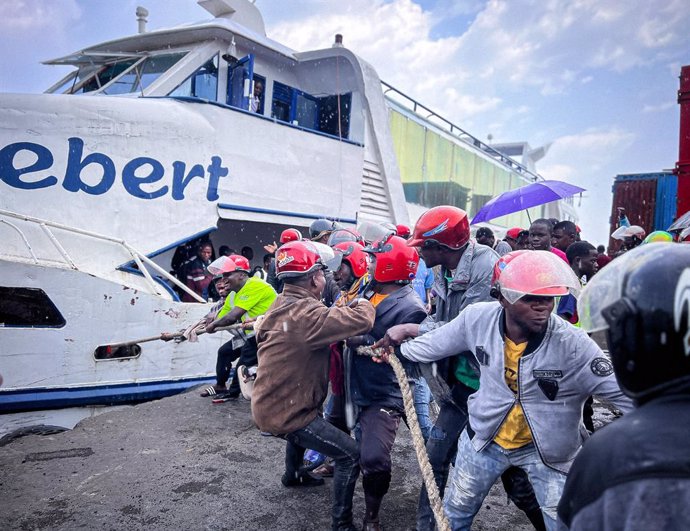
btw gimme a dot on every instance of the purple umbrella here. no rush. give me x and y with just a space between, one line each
534 194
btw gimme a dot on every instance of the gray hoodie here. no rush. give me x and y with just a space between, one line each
556 374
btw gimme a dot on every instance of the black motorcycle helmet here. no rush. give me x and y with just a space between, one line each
322 227
642 300
343 235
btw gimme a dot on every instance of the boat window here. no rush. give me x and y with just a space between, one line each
139 77
282 100
201 84
307 110
66 85
104 76
328 114
115 352
28 307
334 115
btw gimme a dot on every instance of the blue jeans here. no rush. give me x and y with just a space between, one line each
476 472
422 397
441 448
325 438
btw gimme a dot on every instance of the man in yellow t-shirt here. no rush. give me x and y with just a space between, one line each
514 432
536 371
253 297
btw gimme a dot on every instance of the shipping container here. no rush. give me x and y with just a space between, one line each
649 200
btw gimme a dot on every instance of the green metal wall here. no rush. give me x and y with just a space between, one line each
436 170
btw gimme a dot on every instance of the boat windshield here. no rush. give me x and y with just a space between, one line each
141 75
122 75
201 84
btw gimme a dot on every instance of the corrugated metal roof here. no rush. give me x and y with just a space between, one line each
641 176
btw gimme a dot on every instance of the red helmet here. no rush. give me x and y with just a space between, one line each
539 273
403 231
353 253
220 265
290 235
241 263
295 259
395 261
442 225
502 262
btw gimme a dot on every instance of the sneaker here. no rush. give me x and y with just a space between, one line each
303 480
224 397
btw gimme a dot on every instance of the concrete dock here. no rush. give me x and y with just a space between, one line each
185 463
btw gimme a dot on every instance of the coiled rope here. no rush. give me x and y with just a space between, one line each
417 439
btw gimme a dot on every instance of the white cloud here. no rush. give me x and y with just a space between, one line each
31 31
552 44
586 159
19 16
594 142
659 108
395 38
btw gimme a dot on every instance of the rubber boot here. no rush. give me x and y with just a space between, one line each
375 487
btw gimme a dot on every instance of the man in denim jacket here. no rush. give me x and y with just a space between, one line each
536 371
442 235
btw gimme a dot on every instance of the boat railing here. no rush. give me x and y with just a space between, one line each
436 119
49 228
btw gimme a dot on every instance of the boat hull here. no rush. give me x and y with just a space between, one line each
47 367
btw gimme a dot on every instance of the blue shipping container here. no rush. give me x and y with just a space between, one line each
666 197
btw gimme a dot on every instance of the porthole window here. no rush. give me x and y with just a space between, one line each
114 352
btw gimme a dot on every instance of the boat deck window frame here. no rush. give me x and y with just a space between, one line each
92 67
291 103
95 74
262 117
216 56
140 89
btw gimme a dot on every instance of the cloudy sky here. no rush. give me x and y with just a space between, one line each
594 79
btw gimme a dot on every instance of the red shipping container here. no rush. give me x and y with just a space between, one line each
637 194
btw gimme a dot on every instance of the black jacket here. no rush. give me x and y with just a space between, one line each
633 473
376 382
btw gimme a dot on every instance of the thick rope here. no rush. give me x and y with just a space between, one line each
417 439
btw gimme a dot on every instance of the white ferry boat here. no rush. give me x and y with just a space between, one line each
161 137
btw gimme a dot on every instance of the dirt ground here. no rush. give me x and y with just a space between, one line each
183 462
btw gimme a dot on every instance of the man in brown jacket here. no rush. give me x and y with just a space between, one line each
292 378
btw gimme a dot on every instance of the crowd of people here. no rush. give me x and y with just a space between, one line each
495 333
